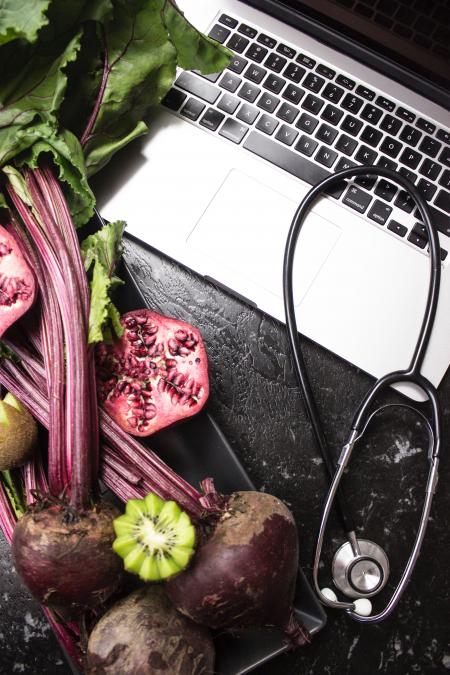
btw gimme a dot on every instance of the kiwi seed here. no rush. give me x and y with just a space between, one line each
154 537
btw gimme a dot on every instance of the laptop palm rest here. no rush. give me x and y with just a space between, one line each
243 232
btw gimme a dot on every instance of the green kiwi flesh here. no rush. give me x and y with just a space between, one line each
155 538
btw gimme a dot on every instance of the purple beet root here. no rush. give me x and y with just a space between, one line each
244 574
144 635
67 561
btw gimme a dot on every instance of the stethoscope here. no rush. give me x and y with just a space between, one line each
360 567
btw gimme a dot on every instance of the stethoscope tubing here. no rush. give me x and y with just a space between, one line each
361 418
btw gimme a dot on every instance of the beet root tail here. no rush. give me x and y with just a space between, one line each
297 635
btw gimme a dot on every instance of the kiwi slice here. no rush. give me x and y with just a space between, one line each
155 538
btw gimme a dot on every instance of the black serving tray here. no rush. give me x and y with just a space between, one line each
195 449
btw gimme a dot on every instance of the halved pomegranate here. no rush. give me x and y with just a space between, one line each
156 374
17 284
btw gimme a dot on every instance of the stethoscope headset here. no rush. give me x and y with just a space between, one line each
360 567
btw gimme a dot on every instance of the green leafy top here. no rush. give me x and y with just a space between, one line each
78 78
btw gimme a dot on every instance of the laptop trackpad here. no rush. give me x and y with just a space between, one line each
244 230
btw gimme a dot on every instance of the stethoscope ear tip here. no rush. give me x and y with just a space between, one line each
361 606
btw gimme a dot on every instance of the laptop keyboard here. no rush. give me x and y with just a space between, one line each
310 120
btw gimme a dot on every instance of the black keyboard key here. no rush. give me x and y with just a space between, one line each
312 104
430 146
313 82
443 135
365 92
325 71
286 135
408 174
371 136
247 113
346 145
430 169
444 157
385 103
199 87
405 115
293 93
332 114
443 200
345 82
445 179
269 42
344 163
326 134
410 135
256 53
237 64
228 103
249 92
443 254
366 182
255 73
390 146
352 103
379 212
398 228
357 199
371 113
267 124
390 124
274 83
305 61
410 157
285 158
237 43
366 155
333 93
426 188
385 190
325 156
192 109
307 123
420 230
228 21
211 119
286 51
294 73
268 102
386 163
440 219
306 145
233 130
416 240
212 77
287 113
219 33
230 82
351 125
404 201
425 125
275 62
173 99
248 31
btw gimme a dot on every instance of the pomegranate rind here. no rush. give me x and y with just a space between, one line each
17 282
155 375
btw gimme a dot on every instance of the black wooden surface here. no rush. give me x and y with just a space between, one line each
255 400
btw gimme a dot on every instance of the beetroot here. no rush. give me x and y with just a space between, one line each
244 574
17 284
156 374
144 635
66 558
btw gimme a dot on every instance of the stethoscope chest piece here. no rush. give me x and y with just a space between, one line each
360 568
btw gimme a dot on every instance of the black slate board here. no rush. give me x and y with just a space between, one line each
196 449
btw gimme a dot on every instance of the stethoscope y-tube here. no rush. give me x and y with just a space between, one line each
364 414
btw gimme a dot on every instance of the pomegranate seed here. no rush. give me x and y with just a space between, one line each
181 335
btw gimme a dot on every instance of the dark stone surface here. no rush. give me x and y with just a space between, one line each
256 402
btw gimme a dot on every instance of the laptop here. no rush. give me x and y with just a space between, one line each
313 87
